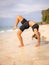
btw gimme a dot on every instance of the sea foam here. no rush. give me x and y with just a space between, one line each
10 30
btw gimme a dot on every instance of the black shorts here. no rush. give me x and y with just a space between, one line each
24 26
23 21
35 26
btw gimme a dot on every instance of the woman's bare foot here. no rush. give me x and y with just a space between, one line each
37 45
21 45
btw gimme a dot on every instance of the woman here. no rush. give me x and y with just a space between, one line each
25 25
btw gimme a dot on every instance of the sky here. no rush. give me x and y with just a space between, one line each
30 9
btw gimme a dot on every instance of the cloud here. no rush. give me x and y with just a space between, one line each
10 8
31 8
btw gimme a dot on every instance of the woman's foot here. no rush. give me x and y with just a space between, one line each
37 45
21 45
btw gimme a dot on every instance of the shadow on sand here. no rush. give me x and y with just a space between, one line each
43 41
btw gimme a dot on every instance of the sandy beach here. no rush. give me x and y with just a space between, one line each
11 54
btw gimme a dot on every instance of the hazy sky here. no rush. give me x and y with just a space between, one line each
12 8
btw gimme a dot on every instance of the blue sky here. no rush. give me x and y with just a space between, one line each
30 9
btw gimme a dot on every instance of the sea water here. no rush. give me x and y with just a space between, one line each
7 29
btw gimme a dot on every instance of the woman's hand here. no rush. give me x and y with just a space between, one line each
14 27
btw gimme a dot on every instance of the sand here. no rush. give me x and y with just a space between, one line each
11 54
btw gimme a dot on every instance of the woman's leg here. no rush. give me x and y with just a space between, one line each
20 37
16 23
18 19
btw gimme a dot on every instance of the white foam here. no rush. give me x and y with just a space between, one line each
11 30
2 31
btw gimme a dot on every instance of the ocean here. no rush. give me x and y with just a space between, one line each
7 29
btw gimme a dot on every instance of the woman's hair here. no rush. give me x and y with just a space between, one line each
34 36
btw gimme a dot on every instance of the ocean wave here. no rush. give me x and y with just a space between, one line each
11 30
2 31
